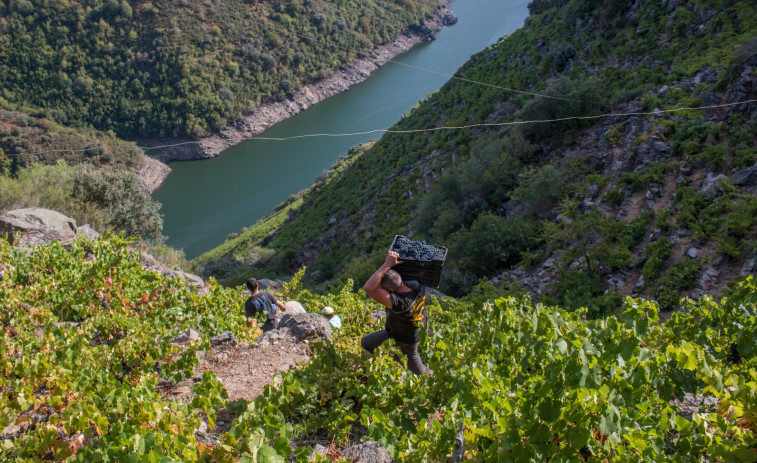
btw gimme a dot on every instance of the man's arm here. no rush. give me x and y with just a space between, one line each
373 286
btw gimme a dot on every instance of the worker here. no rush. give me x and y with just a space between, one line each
333 319
405 312
263 302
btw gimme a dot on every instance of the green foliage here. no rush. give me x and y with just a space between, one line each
657 254
539 190
521 378
121 202
438 186
585 290
492 242
178 68
27 139
95 381
678 277
578 98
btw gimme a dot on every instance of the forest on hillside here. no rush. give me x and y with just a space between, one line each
607 205
179 67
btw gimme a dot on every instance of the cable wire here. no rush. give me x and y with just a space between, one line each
658 112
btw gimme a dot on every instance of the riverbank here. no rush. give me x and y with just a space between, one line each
267 115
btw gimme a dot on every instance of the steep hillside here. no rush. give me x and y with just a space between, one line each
623 190
86 350
175 67
92 176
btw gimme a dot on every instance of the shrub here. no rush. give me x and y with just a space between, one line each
121 202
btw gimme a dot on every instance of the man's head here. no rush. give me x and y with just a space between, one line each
391 281
252 284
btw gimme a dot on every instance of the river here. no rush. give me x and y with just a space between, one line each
203 201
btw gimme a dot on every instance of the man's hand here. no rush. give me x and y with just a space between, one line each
392 259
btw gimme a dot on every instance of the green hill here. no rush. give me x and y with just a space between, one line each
85 342
623 191
175 67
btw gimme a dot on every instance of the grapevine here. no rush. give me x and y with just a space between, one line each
525 382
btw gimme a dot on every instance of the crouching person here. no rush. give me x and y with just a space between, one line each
263 302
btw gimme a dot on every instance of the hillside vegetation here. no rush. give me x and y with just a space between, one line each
180 67
85 342
86 174
575 211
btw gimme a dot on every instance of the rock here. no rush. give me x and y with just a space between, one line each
152 173
190 280
639 284
691 252
691 404
591 191
749 265
89 232
696 293
318 449
377 314
306 326
745 177
709 279
188 336
270 285
368 452
294 308
226 338
654 236
37 226
5 269
711 185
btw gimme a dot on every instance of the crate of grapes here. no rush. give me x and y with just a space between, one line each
420 261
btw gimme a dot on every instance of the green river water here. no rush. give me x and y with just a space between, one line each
204 201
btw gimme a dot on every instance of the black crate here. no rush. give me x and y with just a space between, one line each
427 272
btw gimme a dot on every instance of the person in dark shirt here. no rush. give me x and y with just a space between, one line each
263 302
405 312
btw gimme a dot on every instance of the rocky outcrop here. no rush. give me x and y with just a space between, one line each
150 263
266 115
152 173
37 226
308 326
294 308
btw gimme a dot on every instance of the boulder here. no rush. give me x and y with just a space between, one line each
226 338
306 326
188 336
711 185
749 265
89 232
37 226
294 308
367 452
745 177
270 285
150 263
690 404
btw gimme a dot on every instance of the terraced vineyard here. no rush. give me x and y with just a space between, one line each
86 335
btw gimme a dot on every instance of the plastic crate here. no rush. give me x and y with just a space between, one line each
427 272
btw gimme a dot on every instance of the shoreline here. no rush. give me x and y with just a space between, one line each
267 115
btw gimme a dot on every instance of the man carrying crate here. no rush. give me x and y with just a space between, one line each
405 314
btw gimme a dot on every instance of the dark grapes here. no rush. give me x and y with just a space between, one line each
417 250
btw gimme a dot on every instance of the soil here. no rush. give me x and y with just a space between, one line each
244 370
